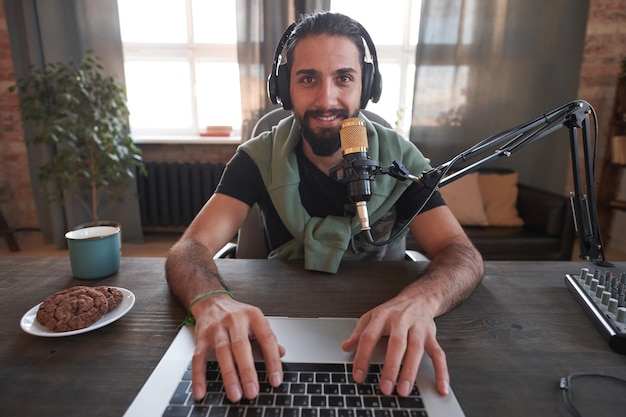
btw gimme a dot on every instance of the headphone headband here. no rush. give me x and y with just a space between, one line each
278 80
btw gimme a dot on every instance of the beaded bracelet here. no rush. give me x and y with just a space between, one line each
190 318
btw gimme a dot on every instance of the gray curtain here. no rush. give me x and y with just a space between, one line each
43 31
483 66
260 25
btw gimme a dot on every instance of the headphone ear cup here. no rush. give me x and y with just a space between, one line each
367 79
377 87
372 80
282 86
272 88
278 80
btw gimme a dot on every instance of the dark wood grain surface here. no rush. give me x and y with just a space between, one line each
507 345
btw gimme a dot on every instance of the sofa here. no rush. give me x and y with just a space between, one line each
517 222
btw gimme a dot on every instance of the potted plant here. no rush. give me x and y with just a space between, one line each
82 116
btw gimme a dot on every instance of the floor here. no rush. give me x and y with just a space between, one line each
156 244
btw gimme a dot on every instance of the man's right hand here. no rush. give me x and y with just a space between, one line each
229 327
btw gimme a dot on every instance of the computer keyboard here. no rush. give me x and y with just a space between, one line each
602 297
308 390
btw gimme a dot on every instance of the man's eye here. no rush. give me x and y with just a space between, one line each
345 78
307 80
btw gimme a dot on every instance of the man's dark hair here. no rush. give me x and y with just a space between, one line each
326 23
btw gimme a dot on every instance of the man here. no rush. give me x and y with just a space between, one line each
286 172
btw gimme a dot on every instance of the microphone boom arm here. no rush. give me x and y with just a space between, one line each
575 117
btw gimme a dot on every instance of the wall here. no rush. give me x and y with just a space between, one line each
605 47
618 237
16 197
187 153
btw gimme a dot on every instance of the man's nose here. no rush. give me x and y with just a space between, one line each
327 95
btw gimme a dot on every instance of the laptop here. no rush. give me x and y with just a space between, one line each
311 343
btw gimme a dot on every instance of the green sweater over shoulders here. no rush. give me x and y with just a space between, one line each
323 241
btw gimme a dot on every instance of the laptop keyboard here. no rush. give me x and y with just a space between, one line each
308 390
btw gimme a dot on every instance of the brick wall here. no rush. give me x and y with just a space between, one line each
16 197
605 47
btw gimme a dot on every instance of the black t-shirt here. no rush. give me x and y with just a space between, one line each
320 194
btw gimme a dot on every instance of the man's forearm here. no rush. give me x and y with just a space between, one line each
450 277
190 271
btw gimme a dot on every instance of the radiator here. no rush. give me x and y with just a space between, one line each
173 193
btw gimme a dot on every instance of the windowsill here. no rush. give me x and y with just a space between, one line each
186 140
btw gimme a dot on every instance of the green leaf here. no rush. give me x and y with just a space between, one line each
81 112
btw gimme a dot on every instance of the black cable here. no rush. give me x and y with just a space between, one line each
567 389
418 211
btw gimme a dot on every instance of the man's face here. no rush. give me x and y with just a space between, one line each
325 88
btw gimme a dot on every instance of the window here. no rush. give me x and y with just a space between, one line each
394 31
444 71
181 69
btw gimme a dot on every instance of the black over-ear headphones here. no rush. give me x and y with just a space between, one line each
278 80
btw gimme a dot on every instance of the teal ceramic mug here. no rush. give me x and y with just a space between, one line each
94 251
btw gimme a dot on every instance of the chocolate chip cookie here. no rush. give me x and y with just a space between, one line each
113 295
72 309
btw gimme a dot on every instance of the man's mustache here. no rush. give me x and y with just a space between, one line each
320 113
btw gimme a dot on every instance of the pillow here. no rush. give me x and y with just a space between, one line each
499 194
464 199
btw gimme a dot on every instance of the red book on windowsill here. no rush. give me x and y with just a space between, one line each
217 131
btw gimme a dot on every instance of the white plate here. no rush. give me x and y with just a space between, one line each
30 324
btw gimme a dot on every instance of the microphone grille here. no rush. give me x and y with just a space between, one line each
353 135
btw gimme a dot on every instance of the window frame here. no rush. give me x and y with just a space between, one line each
192 53
401 55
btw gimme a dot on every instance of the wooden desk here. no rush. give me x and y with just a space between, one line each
507 346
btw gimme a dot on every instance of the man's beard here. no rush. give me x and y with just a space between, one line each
327 141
